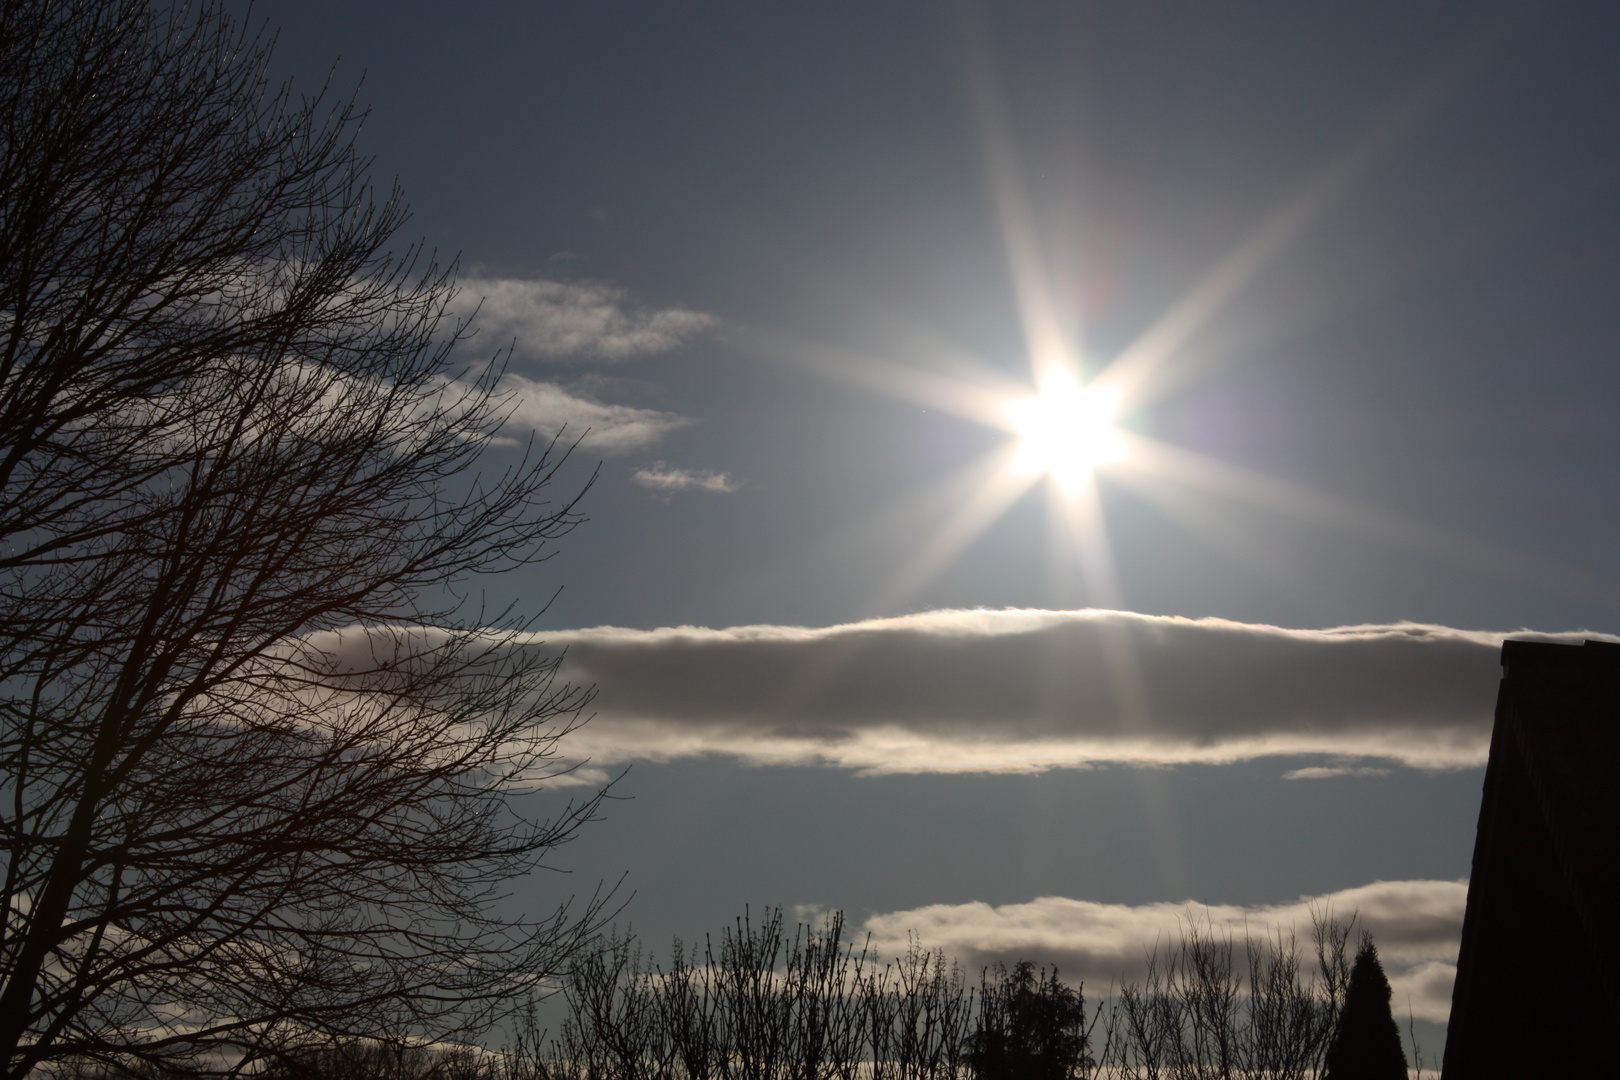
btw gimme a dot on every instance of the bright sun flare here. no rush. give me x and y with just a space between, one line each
1067 429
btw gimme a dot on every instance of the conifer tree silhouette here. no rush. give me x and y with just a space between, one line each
1030 1027
1366 1044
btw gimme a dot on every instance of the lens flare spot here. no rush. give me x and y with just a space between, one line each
1067 430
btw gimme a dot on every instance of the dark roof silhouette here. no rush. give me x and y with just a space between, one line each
1538 975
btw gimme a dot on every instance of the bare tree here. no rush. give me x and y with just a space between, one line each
255 765
1190 1018
764 1006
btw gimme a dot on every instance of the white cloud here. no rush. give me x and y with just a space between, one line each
547 408
1416 925
1327 772
667 480
563 321
961 691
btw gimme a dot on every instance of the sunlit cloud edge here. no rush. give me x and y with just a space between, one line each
959 691
1417 925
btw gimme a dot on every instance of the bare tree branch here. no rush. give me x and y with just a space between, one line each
254 780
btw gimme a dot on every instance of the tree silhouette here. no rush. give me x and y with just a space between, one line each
254 764
1367 1043
1030 1027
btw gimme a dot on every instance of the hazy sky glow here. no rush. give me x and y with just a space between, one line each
1058 461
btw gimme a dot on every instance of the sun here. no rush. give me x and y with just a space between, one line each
1067 430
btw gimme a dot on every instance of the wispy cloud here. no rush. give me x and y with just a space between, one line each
573 321
666 480
953 691
548 408
1327 772
1417 926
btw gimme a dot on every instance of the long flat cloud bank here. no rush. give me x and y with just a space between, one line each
978 691
1417 926
1022 689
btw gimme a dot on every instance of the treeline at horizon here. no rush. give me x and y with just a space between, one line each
761 1004
766 1004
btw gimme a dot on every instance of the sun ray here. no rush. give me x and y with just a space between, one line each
1078 510
1140 370
1071 451
980 494
973 392
916 512
1348 516
1049 338
1085 522
998 488
1083 516
1192 508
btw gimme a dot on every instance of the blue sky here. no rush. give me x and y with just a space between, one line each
791 263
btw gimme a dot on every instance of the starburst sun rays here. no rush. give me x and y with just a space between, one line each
1068 423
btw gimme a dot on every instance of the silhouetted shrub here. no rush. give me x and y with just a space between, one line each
1029 1028
1366 1043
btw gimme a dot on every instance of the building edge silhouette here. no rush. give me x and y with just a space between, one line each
1538 972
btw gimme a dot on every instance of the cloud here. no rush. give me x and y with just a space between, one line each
958 691
1416 925
573 321
548 408
1327 772
666 480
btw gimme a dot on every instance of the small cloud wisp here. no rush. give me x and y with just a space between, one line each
561 321
548 409
666 480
